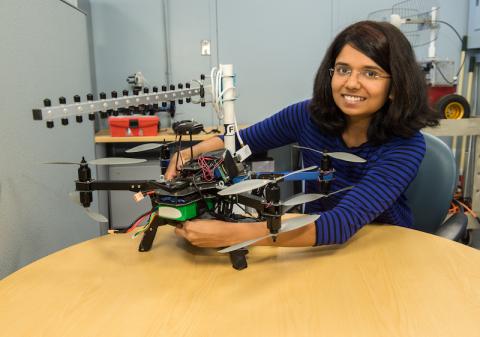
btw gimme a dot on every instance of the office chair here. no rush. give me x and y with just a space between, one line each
431 192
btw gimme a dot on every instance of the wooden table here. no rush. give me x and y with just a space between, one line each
387 281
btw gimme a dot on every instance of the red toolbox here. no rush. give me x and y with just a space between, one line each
133 126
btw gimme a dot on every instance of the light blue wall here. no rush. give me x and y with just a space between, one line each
44 54
474 24
275 46
186 30
128 37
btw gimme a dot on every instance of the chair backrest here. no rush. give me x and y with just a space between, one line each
430 193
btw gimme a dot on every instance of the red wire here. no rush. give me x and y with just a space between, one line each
137 222
468 209
207 171
453 208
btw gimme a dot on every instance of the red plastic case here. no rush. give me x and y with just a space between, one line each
133 126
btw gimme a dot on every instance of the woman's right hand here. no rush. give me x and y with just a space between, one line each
174 166
211 144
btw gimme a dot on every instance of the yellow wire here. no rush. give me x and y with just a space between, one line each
144 228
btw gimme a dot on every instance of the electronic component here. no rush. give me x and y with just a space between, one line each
187 127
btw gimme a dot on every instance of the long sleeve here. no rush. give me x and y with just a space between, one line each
280 129
378 195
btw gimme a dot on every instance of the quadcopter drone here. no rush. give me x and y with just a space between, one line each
210 185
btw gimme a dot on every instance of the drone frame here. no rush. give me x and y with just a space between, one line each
269 208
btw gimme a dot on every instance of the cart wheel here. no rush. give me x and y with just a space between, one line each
453 106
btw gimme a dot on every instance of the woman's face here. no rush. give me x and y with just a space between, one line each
360 87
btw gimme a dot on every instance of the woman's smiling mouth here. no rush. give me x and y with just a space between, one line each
353 98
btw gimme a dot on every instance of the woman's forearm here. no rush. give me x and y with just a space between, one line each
217 233
211 144
302 237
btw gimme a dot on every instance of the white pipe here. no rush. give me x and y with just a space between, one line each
228 106
464 138
431 47
460 75
454 146
166 36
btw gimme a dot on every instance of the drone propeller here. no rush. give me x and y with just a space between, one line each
75 197
169 212
116 161
102 161
287 226
244 186
337 155
61 163
146 147
251 184
304 198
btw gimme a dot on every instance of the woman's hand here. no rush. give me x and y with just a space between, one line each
211 144
216 233
176 165
207 233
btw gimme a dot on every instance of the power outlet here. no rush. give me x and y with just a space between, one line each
205 47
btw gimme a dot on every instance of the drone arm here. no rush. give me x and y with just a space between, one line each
268 208
252 201
117 185
294 177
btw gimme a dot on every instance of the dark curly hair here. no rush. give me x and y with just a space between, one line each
386 45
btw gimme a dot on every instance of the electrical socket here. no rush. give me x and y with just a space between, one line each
205 47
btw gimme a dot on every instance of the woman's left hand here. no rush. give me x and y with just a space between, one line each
216 233
208 233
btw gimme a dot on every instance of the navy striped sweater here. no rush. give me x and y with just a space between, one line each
379 184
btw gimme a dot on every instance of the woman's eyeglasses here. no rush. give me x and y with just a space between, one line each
367 74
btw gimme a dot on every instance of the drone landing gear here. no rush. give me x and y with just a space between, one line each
238 259
149 236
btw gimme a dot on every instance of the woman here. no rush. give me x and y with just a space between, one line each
369 99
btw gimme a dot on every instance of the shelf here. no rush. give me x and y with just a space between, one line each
456 127
103 136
